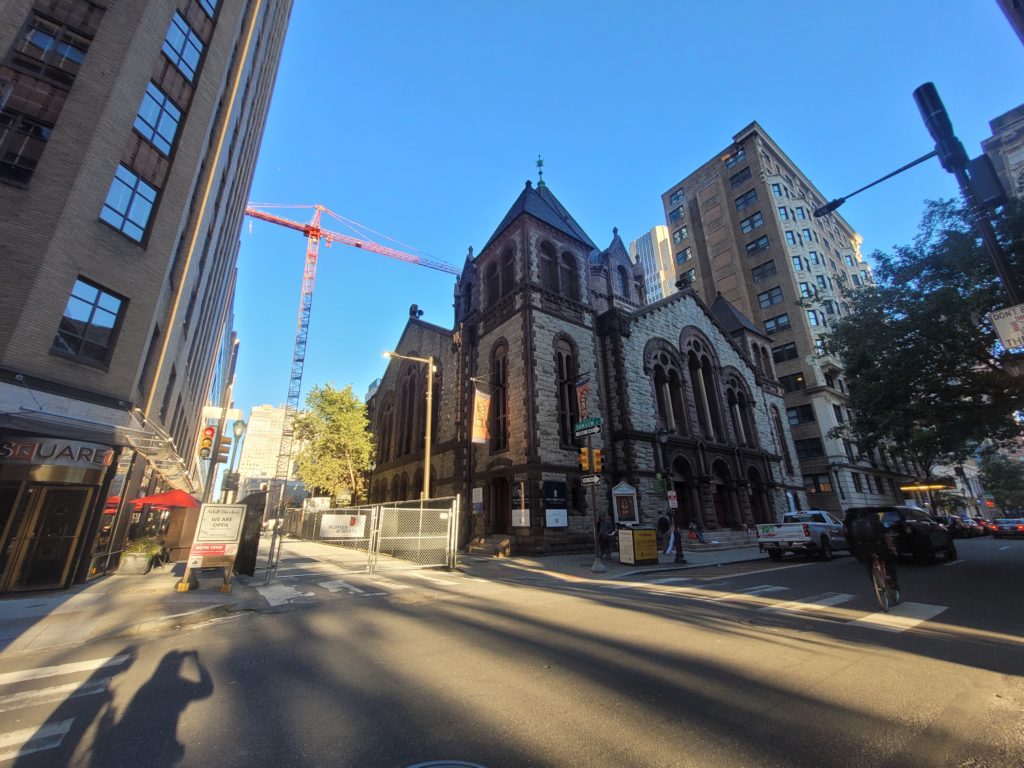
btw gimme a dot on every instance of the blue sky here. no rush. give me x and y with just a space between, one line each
423 121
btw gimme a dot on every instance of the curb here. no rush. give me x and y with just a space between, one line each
174 621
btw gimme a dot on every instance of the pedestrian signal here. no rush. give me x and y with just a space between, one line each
597 460
223 450
206 442
584 459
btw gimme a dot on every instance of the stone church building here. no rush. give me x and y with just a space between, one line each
692 420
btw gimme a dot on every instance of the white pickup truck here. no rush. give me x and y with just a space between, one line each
813 532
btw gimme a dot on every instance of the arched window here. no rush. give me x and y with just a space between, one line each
747 415
548 267
566 375
467 299
780 436
385 435
491 284
699 395
677 400
737 420
396 489
508 271
499 398
436 405
623 282
569 277
661 395
713 398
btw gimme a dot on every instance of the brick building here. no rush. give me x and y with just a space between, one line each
686 394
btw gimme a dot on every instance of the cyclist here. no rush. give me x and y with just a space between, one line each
870 538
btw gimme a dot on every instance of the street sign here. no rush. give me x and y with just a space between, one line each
587 431
593 421
1009 325
591 480
673 500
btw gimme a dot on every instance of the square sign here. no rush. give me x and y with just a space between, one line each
1009 324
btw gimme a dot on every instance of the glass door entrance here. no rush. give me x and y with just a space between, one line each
48 538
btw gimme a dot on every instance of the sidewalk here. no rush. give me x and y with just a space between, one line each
115 605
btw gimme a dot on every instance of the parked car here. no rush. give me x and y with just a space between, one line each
916 534
1009 526
987 526
813 532
971 527
960 527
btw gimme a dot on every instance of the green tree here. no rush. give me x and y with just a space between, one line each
925 369
1003 478
336 444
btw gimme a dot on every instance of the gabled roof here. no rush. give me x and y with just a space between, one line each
731 318
544 206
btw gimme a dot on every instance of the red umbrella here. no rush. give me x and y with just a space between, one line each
169 499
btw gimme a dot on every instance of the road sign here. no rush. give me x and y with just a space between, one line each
591 479
591 430
593 421
1009 325
673 500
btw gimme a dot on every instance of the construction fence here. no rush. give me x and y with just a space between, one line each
397 535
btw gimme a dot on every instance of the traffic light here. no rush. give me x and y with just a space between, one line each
206 442
597 460
585 459
223 449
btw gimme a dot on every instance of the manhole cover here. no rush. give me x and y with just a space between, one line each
447 764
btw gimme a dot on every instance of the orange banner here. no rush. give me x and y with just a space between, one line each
481 414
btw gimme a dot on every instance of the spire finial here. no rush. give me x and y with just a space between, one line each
540 171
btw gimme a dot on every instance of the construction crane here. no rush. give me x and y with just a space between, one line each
314 234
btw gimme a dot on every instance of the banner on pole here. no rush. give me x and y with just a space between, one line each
481 414
582 390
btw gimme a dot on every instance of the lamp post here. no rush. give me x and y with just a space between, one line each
430 413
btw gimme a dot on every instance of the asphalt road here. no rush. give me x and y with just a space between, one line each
751 664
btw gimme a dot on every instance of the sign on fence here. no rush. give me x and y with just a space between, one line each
343 527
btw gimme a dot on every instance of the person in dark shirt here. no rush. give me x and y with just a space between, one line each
870 538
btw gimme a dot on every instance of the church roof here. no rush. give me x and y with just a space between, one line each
731 318
540 203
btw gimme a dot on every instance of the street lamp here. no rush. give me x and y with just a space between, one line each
430 413
237 429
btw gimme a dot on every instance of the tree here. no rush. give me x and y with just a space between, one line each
336 444
925 369
1003 478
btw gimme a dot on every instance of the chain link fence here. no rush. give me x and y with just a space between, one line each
393 536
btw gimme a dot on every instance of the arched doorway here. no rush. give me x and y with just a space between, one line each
688 499
499 508
722 494
759 506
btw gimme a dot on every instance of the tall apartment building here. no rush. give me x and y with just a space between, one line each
653 252
128 140
1005 147
742 227
258 456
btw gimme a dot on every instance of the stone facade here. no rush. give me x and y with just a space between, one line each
540 309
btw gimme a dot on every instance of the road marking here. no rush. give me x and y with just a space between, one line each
390 583
427 578
278 594
28 740
763 589
1002 548
955 562
669 580
337 585
64 669
900 617
54 693
824 600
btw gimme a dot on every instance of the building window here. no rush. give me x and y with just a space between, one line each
741 178
623 282
680 234
790 237
677 197
491 284
683 256
806 291
856 482
783 213
810 448
687 277
769 297
22 139
508 271
89 327
566 376
793 383
813 256
158 118
864 276
751 223
51 51
822 282
817 484
838 411
812 317
745 200
800 414
819 346
548 267
848 259
570 283
756 246
129 204
808 237
676 214
763 271
183 47
798 264
777 323
736 157
829 306
499 399
210 6
785 352
800 213
777 190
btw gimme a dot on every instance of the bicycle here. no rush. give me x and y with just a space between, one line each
885 592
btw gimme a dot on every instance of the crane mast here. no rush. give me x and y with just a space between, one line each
314 233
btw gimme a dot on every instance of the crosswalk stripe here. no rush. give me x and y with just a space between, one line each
763 589
338 585
900 617
7 678
390 583
824 600
28 740
431 579
54 693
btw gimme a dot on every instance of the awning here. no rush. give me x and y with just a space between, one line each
169 499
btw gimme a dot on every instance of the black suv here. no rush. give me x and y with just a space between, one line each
916 533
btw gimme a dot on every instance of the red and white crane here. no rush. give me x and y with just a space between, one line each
314 234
